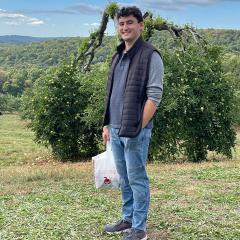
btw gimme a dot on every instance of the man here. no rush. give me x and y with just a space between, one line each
134 91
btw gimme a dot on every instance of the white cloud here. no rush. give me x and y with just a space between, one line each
35 22
92 24
15 19
95 24
12 23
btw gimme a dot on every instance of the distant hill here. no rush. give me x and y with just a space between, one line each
227 38
46 52
17 39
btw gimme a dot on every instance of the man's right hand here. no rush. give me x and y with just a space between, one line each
105 135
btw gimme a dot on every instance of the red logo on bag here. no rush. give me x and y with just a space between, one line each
107 180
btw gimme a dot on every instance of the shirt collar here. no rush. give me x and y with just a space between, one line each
131 52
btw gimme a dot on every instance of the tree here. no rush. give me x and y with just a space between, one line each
3 77
231 63
14 84
55 107
195 115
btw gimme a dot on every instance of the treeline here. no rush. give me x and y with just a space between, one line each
21 65
46 54
230 39
18 39
41 54
50 53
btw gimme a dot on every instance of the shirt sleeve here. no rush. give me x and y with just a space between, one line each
155 81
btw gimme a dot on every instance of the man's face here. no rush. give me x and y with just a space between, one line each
129 28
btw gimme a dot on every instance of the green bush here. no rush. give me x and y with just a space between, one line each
9 103
55 107
195 115
237 107
231 63
95 83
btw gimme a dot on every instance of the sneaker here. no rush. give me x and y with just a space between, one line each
119 227
136 235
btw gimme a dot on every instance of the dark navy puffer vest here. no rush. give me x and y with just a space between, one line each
135 90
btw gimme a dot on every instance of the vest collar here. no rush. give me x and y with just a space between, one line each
132 51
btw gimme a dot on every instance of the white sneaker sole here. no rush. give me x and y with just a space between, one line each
119 232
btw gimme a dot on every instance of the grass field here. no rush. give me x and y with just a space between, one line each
16 142
43 199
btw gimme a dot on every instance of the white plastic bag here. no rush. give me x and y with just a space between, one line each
105 171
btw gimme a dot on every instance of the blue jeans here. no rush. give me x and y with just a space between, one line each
130 155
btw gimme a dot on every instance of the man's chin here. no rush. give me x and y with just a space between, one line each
126 38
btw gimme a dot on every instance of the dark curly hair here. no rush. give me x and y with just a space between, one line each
128 11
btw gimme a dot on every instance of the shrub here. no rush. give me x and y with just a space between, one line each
195 115
9 103
56 109
231 64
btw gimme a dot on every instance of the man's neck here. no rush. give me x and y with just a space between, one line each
128 45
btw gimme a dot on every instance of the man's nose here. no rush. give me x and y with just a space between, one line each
125 26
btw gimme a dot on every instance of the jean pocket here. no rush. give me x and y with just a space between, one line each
135 143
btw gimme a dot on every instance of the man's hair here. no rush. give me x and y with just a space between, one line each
128 11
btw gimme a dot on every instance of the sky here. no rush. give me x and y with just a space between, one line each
62 18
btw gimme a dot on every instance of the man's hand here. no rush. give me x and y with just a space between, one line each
148 112
105 135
